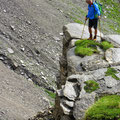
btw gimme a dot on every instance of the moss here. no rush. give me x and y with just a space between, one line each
91 86
81 51
106 45
51 94
106 108
88 47
112 72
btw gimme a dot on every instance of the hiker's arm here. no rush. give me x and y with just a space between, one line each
97 10
86 17
99 17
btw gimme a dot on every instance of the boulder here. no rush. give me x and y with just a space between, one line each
112 55
110 82
74 31
82 105
69 91
114 39
94 63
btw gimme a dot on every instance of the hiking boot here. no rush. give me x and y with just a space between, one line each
95 38
90 38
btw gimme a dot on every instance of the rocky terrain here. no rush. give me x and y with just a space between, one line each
30 46
85 79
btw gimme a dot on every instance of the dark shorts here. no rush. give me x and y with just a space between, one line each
93 23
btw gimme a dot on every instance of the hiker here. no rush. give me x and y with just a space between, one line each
93 10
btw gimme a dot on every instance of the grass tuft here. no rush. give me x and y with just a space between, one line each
51 94
106 45
112 72
106 108
88 47
91 86
85 47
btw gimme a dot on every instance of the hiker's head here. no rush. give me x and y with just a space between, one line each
89 1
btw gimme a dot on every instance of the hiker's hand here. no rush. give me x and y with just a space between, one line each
99 17
86 18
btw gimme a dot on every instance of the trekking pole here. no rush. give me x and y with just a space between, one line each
83 29
100 29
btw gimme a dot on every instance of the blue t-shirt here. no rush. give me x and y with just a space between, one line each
93 10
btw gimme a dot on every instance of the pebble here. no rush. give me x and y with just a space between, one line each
10 50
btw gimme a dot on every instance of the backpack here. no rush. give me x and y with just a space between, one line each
100 8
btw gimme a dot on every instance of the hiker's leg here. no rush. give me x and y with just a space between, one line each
95 28
90 28
95 36
90 32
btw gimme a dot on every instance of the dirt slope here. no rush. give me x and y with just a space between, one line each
19 98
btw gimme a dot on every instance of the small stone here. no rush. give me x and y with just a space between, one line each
29 22
65 109
60 93
12 27
68 103
69 91
23 65
1 58
56 38
61 34
10 50
61 11
4 11
21 61
29 79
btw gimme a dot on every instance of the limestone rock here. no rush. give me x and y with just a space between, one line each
69 91
74 30
67 103
82 105
10 50
65 109
112 55
72 43
110 82
114 39
94 63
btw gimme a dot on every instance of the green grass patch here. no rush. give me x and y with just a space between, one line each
106 45
106 108
91 86
112 72
88 47
51 94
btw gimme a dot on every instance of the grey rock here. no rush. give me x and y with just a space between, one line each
73 61
112 55
94 63
67 103
60 92
65 109
114 39
74 30
72 43
82 105
110 82
69 91
10 50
